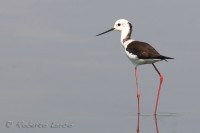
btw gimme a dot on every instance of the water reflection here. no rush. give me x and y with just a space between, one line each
156 123
164 117
138 124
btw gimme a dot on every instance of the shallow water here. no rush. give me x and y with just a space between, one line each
144 123
44 93
164 122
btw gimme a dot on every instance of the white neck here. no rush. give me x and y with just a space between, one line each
126 37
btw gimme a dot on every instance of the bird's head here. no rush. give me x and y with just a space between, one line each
120 25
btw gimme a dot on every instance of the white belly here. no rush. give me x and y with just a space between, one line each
136 61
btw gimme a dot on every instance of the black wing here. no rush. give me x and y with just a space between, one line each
144 51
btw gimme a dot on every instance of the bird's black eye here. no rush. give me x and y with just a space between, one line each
118 24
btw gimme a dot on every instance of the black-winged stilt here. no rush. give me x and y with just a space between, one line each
139 53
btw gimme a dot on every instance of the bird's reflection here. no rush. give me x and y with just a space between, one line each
156 123
138 124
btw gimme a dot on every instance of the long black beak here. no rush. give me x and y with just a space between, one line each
106 32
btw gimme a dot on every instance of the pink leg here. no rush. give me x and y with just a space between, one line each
159 88
138 90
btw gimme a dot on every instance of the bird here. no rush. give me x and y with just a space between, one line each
139 53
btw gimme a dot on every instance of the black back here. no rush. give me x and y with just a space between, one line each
144 51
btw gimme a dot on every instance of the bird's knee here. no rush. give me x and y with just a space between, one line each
138 96
161 77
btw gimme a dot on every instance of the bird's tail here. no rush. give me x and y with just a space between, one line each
164 57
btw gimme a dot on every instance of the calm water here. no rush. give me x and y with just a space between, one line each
39 95
145 123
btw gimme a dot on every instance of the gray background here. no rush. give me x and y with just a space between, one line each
53 68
